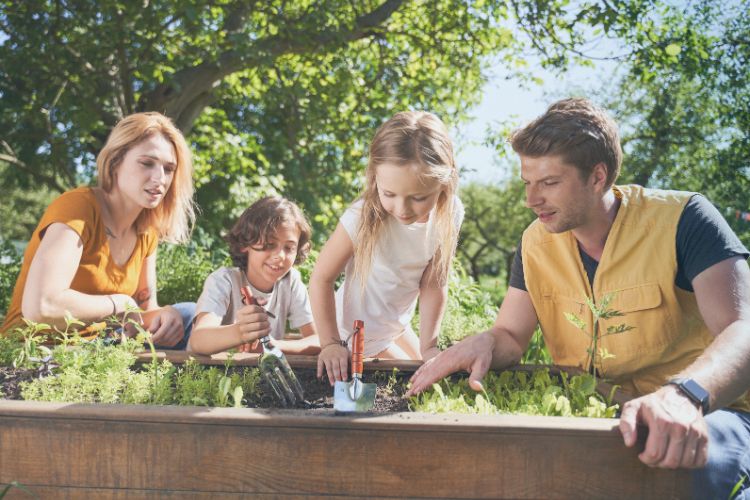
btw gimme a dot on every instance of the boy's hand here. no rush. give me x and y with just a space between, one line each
335 358
250 347
253 323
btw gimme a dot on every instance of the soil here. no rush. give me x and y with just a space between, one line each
11 378
318 393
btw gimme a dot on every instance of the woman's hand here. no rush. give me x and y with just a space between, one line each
335 358
166 327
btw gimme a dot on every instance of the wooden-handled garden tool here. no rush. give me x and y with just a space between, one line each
274 366
355 395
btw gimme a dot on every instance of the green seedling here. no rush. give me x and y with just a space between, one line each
538 393
602 311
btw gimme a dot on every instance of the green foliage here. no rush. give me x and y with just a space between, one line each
518 392
685 124
600 311
495 217
10 266
277 96
103 372
182 269
199 386
537 352
23 347
469 309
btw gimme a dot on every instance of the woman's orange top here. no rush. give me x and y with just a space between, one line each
97 273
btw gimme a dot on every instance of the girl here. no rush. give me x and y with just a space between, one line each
267 240
93 254
395 245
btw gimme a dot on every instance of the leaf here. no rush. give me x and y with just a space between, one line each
224 386
673 49
237 395
575 320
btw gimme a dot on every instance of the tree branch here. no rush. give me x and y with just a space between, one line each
190 85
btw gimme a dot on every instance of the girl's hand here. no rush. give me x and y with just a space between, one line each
335 358
252 322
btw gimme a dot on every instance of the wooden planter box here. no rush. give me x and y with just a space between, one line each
120 451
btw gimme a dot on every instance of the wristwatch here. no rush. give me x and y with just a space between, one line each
693 391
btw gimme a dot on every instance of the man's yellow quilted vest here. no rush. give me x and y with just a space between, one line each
638 267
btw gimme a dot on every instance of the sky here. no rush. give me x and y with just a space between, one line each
505 100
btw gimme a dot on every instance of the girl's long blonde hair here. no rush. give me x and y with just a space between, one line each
173 218
410 139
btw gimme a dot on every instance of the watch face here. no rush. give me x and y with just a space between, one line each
695 389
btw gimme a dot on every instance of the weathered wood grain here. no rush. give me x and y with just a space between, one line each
117 451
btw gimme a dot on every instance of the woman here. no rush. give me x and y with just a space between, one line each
93 254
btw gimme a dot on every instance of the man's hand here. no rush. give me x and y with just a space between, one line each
473 354
677 431
166 327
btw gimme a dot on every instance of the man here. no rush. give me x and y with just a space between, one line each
671 264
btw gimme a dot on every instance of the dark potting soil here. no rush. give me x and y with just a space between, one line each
10 380
318 393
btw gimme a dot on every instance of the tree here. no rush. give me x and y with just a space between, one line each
493 223
275 96
687 125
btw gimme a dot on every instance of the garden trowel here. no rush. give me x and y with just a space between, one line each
355 395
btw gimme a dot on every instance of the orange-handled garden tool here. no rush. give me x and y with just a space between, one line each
355 395
274 366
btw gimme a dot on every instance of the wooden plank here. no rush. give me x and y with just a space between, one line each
254 452
58 493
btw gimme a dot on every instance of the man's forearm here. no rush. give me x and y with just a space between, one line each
724 367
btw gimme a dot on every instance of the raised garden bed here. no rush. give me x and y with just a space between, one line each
134 451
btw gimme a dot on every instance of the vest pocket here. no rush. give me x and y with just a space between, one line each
566 342
653 330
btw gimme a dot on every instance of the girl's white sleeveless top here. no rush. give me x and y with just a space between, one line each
390 295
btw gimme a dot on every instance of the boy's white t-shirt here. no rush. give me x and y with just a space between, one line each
390 295
288 300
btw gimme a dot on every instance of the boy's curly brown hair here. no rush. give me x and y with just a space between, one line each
257 224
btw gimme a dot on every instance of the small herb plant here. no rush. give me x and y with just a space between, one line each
538 393
104 370
597 355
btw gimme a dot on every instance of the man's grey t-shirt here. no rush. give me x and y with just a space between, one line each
287 301
703 239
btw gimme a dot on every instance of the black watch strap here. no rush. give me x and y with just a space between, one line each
693 390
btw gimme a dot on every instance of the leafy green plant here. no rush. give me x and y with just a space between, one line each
183 268
537 352
602 311
519 392
10 266
737 487
105 371
388 380
200 386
